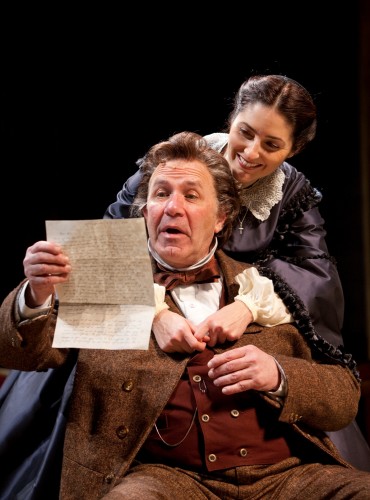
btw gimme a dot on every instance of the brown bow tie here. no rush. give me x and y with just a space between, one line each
209 273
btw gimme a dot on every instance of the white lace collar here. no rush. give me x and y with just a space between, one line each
263 194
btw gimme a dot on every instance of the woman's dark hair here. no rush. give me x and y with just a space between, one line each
288 97
189 146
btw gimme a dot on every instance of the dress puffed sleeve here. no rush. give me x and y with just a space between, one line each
120 209
257 292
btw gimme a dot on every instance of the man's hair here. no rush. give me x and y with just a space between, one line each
189 146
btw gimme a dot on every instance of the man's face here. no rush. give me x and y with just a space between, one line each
182 212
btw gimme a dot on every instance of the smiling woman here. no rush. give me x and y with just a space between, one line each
279 224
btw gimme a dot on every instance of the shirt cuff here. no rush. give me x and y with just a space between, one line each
159 295
249 303
26 312
281 391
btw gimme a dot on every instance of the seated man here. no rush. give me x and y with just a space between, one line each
208 414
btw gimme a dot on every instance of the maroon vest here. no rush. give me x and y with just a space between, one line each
205 430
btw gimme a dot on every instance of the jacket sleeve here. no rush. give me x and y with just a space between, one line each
319 396
27 345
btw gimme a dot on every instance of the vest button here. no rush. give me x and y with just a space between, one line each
205 418
197 378
122 431
128 386
212 457
243 452
234 413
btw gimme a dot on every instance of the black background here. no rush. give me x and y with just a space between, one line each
84 94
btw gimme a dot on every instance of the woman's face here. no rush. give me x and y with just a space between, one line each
259 141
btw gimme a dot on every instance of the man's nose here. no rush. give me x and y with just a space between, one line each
175 204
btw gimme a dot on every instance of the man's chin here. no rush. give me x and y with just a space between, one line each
173 255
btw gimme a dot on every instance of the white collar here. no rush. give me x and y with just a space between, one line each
200 263
264 194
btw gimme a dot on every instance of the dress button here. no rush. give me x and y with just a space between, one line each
205 418
122 431
243 452
234 413
197 378
212 457
128 385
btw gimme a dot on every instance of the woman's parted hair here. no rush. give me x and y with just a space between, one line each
189 146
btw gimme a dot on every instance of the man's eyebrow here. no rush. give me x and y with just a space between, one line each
163 181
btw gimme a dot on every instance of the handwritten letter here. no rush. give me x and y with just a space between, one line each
108 302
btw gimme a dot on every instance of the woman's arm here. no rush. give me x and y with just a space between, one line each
120 209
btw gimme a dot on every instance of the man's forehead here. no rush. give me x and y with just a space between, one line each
188 171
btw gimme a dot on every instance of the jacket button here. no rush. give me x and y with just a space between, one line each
197 378
212 457
128 386
234 413
243 452
122 431
205 418
109 478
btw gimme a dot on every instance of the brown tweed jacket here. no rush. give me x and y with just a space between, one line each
118 395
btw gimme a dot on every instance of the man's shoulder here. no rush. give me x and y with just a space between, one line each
229 263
